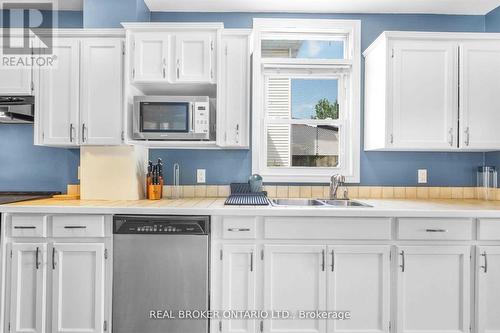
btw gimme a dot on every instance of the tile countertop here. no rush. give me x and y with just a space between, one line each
215 206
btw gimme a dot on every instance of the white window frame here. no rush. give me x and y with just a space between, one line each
350 139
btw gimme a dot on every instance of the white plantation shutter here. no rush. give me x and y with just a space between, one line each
278 97
278 135
278 145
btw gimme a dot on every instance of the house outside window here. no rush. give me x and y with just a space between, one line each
306 100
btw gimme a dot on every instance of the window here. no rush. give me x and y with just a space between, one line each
306 100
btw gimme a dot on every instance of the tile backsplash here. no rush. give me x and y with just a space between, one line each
355 192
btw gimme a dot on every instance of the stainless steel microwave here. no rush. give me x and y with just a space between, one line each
172 118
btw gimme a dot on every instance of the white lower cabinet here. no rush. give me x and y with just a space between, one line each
238 281
358 282
433 289
57 284
294 280
488 289
77 287
28 278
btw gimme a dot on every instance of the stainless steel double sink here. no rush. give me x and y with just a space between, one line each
317 203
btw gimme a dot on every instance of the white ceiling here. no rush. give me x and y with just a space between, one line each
471 7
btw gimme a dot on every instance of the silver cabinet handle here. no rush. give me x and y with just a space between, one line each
467 136
251 261
37 263
333 260
75 227
83 132
323 260
436 230
53 258
403 264
238 229
24 227
70 132
163 72
178 68
485 266
237 133
450 132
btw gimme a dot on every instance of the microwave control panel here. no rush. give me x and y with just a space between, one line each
202 117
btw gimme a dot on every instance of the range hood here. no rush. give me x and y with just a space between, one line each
17 109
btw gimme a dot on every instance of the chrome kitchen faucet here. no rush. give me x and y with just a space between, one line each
337 181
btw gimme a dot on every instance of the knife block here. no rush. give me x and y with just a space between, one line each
155 192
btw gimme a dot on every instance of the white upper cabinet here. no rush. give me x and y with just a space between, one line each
480 94
424 102
194 54
433 289
488 289
101 91
78 288
173 53
80 99
414 97
234 90
15 80
28 288
151 55
59 87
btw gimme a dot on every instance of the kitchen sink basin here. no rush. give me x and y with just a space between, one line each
296 202
345 203
317 203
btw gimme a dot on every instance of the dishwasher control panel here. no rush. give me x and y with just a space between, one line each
185 225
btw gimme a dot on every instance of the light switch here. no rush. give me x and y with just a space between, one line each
200 176
422 176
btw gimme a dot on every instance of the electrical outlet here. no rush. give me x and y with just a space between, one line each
422 176
200 176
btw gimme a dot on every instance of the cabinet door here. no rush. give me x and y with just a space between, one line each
28 287
193 52
424 92
59 95
101 97
433 289
234 87
150 57
358 281
15 80
238 285
479 94
488 289
77 287
294 280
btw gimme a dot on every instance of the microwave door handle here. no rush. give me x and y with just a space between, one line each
192 117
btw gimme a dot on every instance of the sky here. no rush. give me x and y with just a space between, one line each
307 92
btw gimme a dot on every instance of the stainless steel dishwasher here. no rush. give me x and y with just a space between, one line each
160 263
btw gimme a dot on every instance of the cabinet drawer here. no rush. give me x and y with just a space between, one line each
28 225
327 228
489 229
238 227
435 229
78 225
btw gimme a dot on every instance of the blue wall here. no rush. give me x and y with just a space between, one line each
492 21
65 19
25 167
377 168
110 13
